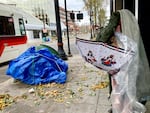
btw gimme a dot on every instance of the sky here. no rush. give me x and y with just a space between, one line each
76 5
73 4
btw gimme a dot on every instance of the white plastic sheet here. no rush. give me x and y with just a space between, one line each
131 84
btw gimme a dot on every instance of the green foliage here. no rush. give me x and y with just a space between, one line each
107 32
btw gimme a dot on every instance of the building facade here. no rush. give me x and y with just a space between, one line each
45 11
71 23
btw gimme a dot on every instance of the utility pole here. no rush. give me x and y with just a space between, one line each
61 51
91 24
69 52
91 20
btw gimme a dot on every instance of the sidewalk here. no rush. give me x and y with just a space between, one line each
82 93
76 96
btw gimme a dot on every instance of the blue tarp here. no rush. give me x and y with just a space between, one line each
38 67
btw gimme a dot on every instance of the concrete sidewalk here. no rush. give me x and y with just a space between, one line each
79 95
82 93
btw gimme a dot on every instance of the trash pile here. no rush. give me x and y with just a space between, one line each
5 100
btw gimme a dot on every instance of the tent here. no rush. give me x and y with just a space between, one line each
38 66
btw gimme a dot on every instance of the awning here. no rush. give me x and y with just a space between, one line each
36 27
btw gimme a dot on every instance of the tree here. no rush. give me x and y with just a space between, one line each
97 14
101 17
96 10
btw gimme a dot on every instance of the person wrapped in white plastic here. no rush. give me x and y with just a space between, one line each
131 84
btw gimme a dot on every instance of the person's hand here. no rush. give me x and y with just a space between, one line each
113 72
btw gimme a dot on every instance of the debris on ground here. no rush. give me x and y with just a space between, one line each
5 100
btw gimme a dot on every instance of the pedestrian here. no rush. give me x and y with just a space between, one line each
131 83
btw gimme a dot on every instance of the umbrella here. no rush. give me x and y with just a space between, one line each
103 56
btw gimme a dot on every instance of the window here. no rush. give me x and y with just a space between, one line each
36 34
6 26
22 28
